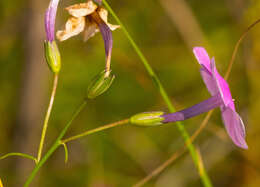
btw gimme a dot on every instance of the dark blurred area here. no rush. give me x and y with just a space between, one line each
166 31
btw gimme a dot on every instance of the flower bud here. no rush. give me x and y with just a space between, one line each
100 84
52 56
147 119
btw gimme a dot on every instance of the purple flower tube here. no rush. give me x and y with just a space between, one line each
50 16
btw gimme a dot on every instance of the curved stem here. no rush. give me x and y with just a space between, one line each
20 155
205 179
92 131
236 47
55 145
65 152
47 116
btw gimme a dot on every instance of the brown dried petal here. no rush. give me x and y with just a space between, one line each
82 9
90 30
103 15
73 27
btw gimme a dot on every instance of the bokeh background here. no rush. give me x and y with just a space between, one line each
166 31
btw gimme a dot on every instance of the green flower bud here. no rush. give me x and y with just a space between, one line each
147 119
100 84
52 56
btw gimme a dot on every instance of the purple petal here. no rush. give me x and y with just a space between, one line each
50 16
213 80
205 71
234 126
202 57
209 81
222 86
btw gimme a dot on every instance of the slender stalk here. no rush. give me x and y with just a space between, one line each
92 131
205 179
20 155
237 46
55 145
47 116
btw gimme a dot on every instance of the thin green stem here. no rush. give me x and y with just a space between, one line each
205 179
65 152
20 155
47 116
92 131
55 145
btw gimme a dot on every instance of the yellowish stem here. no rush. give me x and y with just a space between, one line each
47 116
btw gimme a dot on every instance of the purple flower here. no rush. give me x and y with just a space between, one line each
221 97
50 16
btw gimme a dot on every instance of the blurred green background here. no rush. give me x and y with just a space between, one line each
166 31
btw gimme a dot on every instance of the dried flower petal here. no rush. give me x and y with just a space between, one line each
82 9
103 15
73 27
91 28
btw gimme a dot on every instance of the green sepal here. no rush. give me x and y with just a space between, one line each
147 119
100 84
52 56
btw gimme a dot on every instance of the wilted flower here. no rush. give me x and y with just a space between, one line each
221 97
89 18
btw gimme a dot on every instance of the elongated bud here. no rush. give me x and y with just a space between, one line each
52 56
100 84
147 119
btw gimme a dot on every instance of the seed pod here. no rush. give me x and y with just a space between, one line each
52 56
147 119
100 84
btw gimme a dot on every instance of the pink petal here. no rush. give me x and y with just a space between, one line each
222 86
209 81
202 57
234 126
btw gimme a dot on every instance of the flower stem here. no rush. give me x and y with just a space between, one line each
237 46
47 116
205 179
88 132
55 145
20 155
